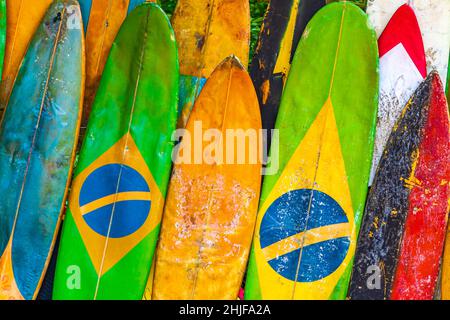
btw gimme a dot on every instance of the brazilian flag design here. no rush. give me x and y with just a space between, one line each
310 211
117 196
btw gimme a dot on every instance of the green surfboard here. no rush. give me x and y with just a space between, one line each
310 209
117 196
3 23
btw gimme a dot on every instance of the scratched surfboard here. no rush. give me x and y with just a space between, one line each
433 21
103 19
310 211
283 25
37 141
207 32
402 69
117 196
402 236
23 18
208 226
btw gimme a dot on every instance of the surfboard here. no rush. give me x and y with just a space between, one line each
113 218
212 203
402 69
23 18
403 232
283 25
37 146
433 21
310 210
103 21
207 31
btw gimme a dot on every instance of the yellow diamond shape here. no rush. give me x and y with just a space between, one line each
317 164
106 251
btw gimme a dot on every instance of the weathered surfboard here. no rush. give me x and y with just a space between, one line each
310 211
212 204
23 18
37 146
103 21
283 25
113 218
433 21
402 68
402 236
207 31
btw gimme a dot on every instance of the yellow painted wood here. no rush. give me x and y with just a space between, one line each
106 18
211 208
208 31
23 18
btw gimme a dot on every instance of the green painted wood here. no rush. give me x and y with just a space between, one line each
336 61
127 149
38 135
3 23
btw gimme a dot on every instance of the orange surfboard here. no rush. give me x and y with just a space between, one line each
23 18
212 202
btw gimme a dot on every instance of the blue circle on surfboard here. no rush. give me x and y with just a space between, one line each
288 216
129 214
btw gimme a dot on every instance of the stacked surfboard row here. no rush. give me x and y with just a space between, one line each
106 197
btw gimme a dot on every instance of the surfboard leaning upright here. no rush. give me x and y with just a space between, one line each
38 135
404 227
117 196
103 19
310 211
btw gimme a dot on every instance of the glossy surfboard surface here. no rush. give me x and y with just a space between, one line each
103 21
402 69
402 236
113 218
211 206
434 24
207 31
23 18
310 211
37 141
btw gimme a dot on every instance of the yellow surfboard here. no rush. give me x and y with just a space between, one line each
208 31
23 18
213 197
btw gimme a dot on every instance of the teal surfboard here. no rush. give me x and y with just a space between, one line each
38 135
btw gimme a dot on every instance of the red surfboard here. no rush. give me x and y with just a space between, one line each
402 236
402 68
425 228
